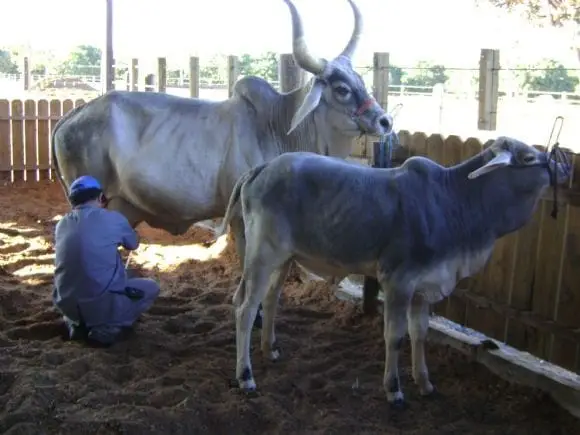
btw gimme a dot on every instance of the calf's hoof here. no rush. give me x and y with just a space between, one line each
396 401
398 405
434 394
272 353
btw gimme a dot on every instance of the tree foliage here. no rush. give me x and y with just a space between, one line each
83 60
265 66
7 65
550 76
553 12
424 74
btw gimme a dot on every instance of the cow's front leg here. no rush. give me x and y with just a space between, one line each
395 326
269 345
418 321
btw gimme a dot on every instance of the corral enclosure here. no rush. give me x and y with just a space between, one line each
527 295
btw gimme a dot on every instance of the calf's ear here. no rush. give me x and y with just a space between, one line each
502 158
308 105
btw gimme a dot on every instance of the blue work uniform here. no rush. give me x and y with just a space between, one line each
90 278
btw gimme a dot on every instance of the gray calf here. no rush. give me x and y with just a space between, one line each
418 228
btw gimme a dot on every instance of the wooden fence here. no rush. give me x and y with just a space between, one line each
527 295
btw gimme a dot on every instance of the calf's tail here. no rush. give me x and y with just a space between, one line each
234 202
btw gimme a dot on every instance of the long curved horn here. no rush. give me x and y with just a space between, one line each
356 33
303 57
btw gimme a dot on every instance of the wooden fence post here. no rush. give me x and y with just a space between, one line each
134 75
161 75
291 76
5 142
371 286
26 73
108 73
149 83
233 72
381 78
488 89
194 77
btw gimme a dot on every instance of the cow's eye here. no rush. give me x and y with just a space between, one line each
342 91
529 158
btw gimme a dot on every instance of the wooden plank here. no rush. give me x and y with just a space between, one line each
381 79
17 140
455 308
436 150
475 317
488 89
194 77
504 361
233 72
55 113
30 150
497 282
67 106
418 144
518 334
161 75
5 141
528 318
547 273
43 141
567 304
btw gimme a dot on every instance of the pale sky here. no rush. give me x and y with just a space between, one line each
408 29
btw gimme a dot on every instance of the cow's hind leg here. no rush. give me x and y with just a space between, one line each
418 320
397 298
260 262
134 216
269 346
239 236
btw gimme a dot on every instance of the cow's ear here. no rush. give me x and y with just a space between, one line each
308 105
501 159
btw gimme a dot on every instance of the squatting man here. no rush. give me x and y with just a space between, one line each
98 301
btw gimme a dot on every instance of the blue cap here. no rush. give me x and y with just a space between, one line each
84 182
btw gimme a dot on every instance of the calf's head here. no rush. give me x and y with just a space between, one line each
526 168
337 87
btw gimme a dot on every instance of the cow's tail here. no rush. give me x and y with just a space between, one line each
234 202
58 124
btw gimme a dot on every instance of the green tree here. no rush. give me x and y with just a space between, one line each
550 76
38 69
557 13
396 75
214 70
425 75
7 65
265 66
84 60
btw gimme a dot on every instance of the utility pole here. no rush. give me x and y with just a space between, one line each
107 69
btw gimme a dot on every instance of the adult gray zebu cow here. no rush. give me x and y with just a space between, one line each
419 228
172 161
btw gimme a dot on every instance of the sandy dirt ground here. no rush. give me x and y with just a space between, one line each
172 375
